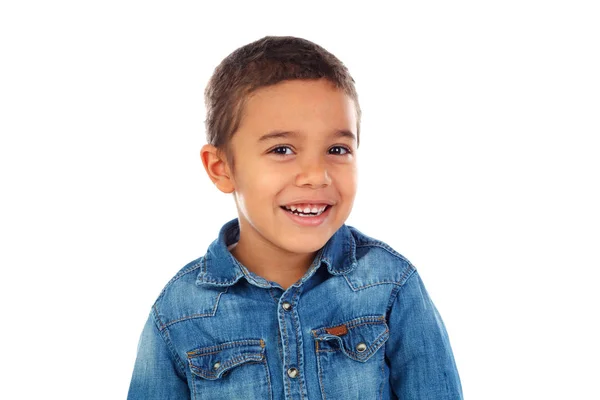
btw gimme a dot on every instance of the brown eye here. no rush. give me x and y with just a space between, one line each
339 150
281 151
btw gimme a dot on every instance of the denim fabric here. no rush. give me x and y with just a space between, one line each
358 325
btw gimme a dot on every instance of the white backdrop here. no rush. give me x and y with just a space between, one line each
478 162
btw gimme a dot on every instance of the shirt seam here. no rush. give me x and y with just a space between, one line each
299 343
164 334
396 291
197 264
194 316
386 248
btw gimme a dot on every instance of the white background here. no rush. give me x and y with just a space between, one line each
478 162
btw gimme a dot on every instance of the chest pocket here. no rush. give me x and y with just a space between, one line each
350 360
231 370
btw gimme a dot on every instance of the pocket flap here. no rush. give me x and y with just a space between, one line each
358 338
214 361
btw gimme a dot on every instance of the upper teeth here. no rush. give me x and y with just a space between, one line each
308 208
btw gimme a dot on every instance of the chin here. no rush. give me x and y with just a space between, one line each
301 245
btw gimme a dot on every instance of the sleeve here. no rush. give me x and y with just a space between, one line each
418 350
158 372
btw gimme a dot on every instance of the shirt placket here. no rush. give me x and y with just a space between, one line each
291 339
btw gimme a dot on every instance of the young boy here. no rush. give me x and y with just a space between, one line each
288 302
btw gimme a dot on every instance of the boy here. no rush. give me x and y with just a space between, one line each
288 302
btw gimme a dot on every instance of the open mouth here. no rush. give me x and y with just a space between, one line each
306 211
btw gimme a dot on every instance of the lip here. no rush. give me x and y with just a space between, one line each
309 221
314 202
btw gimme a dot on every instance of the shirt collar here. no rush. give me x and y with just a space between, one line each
220 268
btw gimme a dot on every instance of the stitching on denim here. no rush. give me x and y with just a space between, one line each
407 272
192 268
280 347
205 259
204 272
194 355
287 349
161 326
382 376
349 249
221 283
266 365
250 362
353 325
164 335
299 342
393 252
373 348
393 295
319 369
374 319
249 278
271 293
379 322
211 314
384 246
187 271
193 380
180 363
200 351
229 363
311 269
357 288
236 360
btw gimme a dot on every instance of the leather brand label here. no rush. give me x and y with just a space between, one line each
340 330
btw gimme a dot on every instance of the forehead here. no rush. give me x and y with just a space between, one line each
306 106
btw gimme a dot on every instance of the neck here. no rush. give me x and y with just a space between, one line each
272 263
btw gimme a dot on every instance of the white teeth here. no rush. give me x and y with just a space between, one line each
310 209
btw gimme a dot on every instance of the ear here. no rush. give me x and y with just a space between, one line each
216 167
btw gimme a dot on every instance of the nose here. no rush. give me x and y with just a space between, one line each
313 173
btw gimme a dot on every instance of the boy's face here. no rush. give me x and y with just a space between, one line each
296 146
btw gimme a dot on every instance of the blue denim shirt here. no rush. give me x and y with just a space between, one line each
358 325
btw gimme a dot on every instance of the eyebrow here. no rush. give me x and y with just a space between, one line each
285 134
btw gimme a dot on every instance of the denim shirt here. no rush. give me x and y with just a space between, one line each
358 325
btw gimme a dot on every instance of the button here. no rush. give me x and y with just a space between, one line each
216 365
292 372
286 306
361 347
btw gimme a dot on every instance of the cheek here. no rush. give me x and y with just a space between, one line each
347 181
256 186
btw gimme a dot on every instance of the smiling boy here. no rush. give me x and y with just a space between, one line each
295 147
289 302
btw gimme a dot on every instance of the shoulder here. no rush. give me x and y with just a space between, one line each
184 278
182 298
377 263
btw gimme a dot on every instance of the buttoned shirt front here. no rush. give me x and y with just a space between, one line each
358 325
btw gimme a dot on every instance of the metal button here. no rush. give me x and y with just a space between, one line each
361 347
292 372
216 365
286 306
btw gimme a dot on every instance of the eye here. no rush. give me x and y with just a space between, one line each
339 150
282 151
